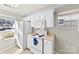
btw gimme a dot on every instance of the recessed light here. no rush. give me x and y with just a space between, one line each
11 5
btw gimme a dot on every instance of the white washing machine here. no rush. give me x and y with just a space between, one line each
37 44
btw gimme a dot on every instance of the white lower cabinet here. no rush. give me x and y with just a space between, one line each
48 47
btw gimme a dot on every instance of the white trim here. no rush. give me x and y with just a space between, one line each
68 12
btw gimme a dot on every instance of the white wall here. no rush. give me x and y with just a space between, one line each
66 41
7 14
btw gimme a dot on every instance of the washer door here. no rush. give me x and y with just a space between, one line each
37 43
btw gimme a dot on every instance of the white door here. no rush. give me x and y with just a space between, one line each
26 30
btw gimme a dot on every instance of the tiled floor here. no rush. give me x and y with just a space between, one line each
15 50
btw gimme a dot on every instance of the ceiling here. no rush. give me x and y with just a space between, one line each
67 7
25 9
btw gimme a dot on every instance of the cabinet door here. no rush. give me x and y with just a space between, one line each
38 21
42 16
34 19
41 19
48 47
49 18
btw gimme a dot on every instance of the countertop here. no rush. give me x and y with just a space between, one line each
49 37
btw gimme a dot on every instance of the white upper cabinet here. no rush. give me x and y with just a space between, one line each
42 16
37 20
42 19
34 19
27 18
49 15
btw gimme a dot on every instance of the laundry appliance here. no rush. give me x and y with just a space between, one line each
37 44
